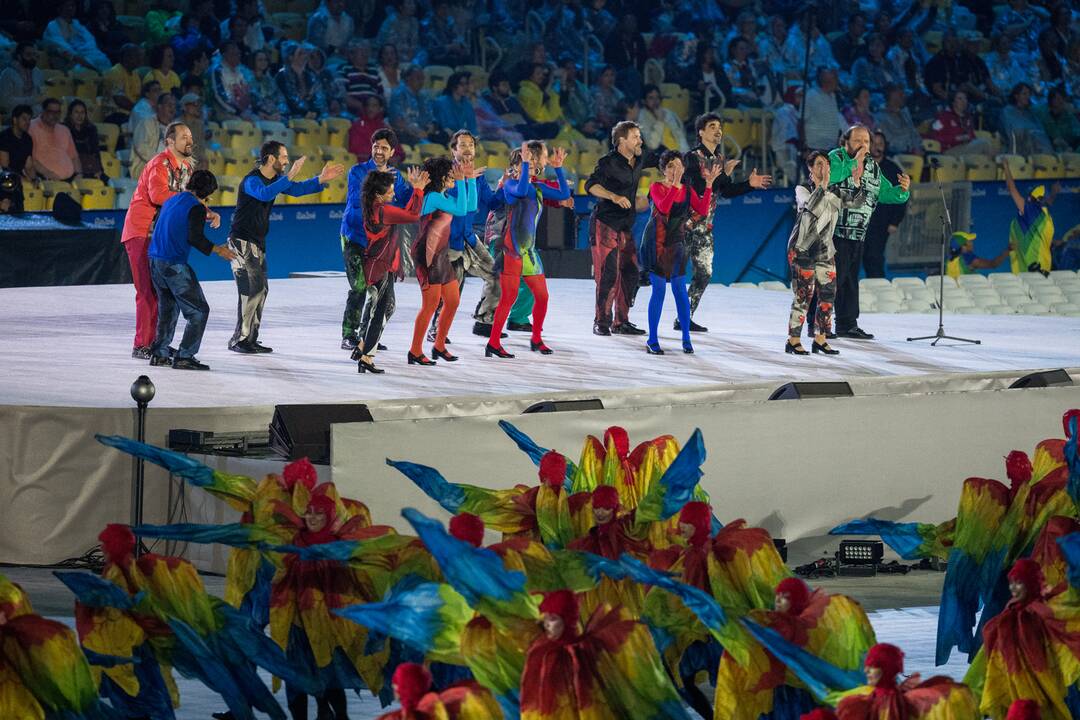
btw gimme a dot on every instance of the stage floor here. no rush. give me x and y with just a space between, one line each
70 346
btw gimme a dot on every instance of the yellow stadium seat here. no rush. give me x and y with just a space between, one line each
497 161
52 188
432 150
87 184
1018 165
33 199
931 146
496 147
108 136
737 126
87 82
334 192
980 167
1047 166
436 76
215 163
102 198
59 86
336 125
111 165
668 89
1071 164
235 167
950 169
912 165
992 138
679 105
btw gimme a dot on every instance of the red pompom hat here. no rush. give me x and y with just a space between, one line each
1028 573
553 469
619 436
1018 468
605 496
699 515
798 594
566 605
301 471
1024 710
889 659
468 528
117 542
411 682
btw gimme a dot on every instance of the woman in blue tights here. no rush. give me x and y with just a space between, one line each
663 246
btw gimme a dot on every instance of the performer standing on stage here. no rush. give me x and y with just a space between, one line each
179 228
811 253
431 252
700 237
663 245
353 237
851 227
382 256
466 254
886 220
615 269
250 225
518 259
165 175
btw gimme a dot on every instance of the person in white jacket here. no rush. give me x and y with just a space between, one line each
661 129
68 38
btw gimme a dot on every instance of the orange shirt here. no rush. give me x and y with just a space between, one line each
53 149
160 179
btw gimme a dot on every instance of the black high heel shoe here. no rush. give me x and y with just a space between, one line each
654 350
442 354
688 349
497 352
824 348
420 359
795 349
363 365
540 347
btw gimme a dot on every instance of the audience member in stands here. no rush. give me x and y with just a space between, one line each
85 136
17 152
371 119
886 219
784 133
576 101
1024 133
146 106
770 45
331 89
661 128
359 78
795 47
299 85
955 68
540 103
848 47
977 76
600 20
446 44
1006 70
72 42
209 24
606 98
823 120
954 128
1060 122
231 84
330 28
148 137
191 114
746 90
410 109
163 21
906 59
1020 22
21 82
54 153
498 114
872 71
162 60
453 110
389 70
402 30
193 84
108 33
255 37
267 101
1051 65
626 51
122 86
235 30
858 112
188 42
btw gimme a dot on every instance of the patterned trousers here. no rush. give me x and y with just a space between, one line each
474 260
353 255
699 247
812 270
615 270
249 270
380 305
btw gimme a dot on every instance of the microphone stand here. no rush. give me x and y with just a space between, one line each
946 233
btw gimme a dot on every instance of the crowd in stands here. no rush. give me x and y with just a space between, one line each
961 77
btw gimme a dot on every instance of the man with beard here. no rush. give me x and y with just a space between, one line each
250 225
885 222
165 175
853 223
21 83
615 182
699 237
353 235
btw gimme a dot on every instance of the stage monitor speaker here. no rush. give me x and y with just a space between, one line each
1049 378
555 230
299 431
807 390
564 406
67 210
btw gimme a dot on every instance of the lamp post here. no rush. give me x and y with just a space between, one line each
142 392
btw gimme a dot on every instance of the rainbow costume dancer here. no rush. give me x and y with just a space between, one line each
1032 231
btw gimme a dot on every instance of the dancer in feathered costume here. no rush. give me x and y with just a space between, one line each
43 673
463 701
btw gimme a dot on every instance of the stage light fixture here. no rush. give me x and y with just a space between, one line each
142 392
859 557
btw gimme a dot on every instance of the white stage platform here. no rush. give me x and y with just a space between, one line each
70 346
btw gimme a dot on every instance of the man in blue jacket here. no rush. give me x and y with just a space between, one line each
179 227
353 237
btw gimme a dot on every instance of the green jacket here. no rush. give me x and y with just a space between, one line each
854 220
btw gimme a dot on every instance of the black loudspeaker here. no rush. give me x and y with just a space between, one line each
564 406
556 229
1049 378
67 210
299 431
807 390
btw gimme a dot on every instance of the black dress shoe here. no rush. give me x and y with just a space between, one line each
627 329
795 349
363 366
540 347
694 327
490 351
420 359
430 337
172 351
188 364
243 348
141 353
442 355
654 349
519 327
855 333
382 347
348 343
823 348
481 329
158 361
261 349
600 330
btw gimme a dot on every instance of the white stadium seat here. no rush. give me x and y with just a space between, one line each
974 279
1004 278
750 285
999 310
773 285
908 282
1032 308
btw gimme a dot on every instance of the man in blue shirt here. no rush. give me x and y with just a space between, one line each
179 227
250 226
466 254
353 236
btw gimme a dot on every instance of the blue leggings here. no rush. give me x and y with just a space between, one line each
656 305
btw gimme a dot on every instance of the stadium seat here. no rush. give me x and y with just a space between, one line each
1071 164
270 126
33 199
950 169
99 198
908 282
958 302
773 285
991 138
1063 308
84 184
874 283
1018 166
436 77
973 280
337 131
111 165
432 150
744 285
1004 278
1033 309
999 310
334 192
59 86
737 126
1047 166
912 165
867 303
980 168
931 146
108 136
